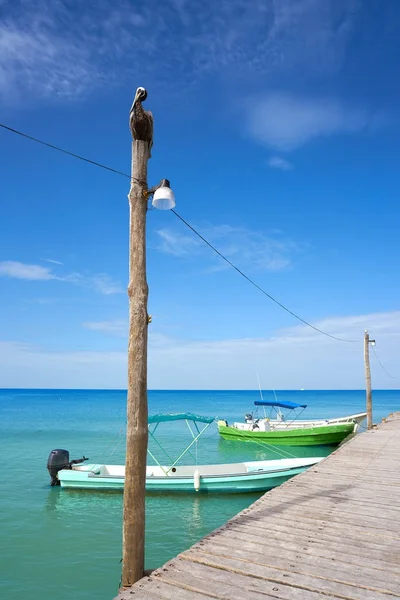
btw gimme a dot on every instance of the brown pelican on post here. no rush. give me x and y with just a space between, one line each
140 120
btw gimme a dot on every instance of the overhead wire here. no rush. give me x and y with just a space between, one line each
256 285
53 147
381 365
251 281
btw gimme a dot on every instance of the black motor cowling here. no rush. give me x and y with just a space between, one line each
58 459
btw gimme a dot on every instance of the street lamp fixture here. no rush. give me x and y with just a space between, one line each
163 197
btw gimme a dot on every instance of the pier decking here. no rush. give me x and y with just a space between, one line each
331 532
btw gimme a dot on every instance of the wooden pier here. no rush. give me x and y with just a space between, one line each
331 532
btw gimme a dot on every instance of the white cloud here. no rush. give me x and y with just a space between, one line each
118 328
294 358
49 63
26 365
285 123
53 262
277 162
52 49
42 301
176 244
253 250
18 270
102 283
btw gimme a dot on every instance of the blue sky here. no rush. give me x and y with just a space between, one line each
277 124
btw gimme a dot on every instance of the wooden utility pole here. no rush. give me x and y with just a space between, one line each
368 378
137 414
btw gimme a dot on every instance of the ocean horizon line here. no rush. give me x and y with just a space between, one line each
72 389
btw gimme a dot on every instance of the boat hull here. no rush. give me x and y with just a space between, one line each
254 480
355 420
330 435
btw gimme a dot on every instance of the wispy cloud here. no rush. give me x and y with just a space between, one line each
39 367
284 122
48 62
118 328
252 250
18 270
42 301
53 48
104 284
52 261
101 282
293 358
277 162
175 243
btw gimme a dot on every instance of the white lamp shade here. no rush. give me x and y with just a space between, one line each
163 198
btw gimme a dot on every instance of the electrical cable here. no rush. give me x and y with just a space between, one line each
97 164
381 365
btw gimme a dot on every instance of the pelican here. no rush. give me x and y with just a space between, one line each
140 120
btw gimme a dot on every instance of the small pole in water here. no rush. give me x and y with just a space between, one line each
367 342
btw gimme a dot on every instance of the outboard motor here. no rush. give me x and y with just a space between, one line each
59 459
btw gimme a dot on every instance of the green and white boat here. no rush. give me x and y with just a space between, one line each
252 476
283 431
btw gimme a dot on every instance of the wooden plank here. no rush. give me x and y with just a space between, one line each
371 493
137 594
373 498
349 520
322 526
337 552
204 584
285 524
299 562
331 532
349 494
156 588
242 583
387 519
306 582
327 530
291 513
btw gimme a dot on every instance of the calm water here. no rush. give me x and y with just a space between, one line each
67 545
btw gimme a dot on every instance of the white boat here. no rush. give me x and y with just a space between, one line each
249 476
252 476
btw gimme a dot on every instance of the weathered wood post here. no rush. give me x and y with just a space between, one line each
137 414
368 379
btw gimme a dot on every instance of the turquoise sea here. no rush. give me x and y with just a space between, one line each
67 545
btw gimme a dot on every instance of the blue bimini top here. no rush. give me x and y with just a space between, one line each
291 405
162 417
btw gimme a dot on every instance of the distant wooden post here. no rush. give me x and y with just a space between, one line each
137 415
368 379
